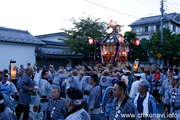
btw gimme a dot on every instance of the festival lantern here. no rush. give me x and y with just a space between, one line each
111 24
137 42
136 64
91 41
121 39
13 69
124 54
103 53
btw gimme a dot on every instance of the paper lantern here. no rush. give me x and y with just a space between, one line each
91 41
136 64
124 53
111 24
103 53
121 39
137 42
13 69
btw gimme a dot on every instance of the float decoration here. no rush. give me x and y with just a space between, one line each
114 48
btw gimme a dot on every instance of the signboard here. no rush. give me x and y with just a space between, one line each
159 55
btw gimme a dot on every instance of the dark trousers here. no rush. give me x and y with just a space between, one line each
63 94
22 108
156 95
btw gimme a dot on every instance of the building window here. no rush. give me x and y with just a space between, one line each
140 29
146 28
149 28
37 58
57 59
174 28
134 30
157 28
137 30
164 25
154 28
50 59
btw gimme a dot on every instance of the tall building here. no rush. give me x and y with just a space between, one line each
145 26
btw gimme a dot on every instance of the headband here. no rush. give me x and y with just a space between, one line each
175 77
75 101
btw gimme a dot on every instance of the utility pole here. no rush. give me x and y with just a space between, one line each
162 12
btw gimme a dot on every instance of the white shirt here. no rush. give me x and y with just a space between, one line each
37 78
143 76
134 89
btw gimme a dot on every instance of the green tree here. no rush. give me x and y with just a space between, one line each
144 51
130 36
170 46
83 30
139 51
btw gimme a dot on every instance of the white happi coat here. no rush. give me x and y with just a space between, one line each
44 90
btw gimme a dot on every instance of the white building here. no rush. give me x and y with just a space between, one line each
17 45
145 26
55 52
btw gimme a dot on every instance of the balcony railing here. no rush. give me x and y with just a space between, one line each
144 33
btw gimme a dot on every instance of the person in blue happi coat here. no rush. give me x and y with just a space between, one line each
108 98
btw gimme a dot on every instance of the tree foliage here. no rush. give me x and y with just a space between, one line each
83 30
170 46
130 36
139 51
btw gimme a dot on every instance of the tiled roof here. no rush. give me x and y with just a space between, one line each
54 50
52 34
53 43
152 19
18 36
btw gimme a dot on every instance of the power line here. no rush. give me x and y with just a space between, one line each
173 8
173 4
175 1
169 8
152 2
111 9
147 3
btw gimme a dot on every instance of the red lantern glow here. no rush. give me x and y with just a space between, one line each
137 42
136 64
91 41
124 53
103 53
111 24
121 39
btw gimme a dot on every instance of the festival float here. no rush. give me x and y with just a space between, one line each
114 49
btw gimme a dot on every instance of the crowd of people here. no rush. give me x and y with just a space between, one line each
86 93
